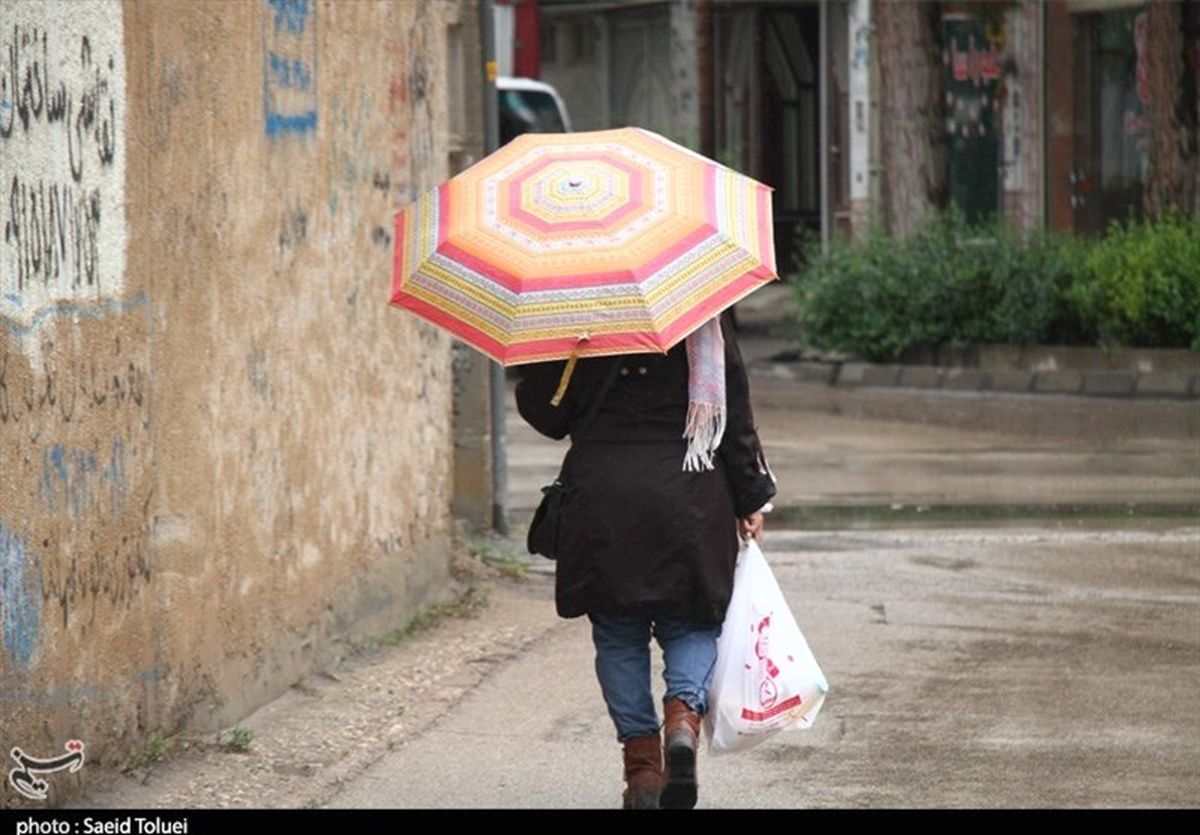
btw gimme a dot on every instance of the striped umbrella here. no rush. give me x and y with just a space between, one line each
565 245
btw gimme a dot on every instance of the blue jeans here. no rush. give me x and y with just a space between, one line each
623 667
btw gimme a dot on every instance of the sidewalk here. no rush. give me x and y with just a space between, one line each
335 723
1059 370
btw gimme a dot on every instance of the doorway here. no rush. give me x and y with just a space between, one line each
1097 109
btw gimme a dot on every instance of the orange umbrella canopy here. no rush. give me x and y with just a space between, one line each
589 243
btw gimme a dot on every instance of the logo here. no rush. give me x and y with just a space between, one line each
767 691
767 673
22 778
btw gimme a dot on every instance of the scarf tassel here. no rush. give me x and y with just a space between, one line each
704 430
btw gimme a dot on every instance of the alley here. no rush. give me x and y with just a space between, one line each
1014 664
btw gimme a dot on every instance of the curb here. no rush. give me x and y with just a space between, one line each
1126 385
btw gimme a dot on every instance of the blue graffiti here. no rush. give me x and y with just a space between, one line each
290 15
20 598
67 478
862 46
72 479
304 122
289 70
92 311
114 477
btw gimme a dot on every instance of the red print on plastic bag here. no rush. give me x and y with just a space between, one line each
768 693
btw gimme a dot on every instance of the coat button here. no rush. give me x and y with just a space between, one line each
624 372
641 369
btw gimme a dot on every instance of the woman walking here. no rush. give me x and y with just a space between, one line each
667 476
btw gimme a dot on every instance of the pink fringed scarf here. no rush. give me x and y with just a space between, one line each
706 395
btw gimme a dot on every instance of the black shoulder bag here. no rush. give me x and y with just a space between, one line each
543 530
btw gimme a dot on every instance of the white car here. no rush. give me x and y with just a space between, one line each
528 106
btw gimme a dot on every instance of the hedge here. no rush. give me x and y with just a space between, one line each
955 284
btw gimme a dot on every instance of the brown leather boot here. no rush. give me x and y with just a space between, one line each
643 771
682 731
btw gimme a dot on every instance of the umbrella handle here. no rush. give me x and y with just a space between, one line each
564 379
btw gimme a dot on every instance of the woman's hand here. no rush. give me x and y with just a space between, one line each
751 526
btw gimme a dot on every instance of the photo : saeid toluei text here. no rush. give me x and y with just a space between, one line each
125 825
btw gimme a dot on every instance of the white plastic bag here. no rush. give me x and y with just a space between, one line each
766 678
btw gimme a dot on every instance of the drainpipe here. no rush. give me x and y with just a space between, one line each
823 108
499 388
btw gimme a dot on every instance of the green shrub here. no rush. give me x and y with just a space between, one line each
954 284
949 283
1142 285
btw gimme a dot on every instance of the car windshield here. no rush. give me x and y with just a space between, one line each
528 111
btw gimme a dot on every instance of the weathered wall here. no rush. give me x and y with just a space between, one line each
79 621
220 451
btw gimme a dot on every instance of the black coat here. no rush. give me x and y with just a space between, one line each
637 533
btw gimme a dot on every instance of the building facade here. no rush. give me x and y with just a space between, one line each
221 453
1062 113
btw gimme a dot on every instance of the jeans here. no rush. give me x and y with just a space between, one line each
623 667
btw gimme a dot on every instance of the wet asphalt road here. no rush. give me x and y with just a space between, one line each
1008 667
1014 659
